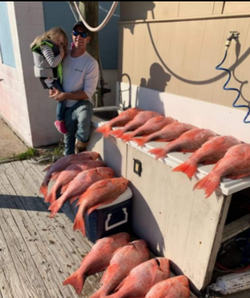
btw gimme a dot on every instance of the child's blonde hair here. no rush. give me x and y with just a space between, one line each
52 34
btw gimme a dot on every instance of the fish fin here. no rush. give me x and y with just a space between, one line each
54 207
79 223
205 163
81 198
47 168
158 152
187 167
140 142
209 183
111 268
76 280
117 133
64 188
127 137
187 150
54 176
104 129
116 289
101 204
162 140
73 199
238 176
44 189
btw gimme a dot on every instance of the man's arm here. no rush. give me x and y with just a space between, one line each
91 80
77 95
60 96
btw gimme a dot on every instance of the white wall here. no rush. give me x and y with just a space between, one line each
41 109
222 120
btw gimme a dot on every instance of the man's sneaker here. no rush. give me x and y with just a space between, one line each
60 125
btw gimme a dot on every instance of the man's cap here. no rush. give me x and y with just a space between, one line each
80 24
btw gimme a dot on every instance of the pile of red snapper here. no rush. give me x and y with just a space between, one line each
230 156
129 271
81 176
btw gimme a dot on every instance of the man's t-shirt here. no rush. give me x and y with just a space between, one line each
80 73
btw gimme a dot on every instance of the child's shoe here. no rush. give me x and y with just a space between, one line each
60 125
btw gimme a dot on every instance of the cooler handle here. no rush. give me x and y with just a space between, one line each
107 227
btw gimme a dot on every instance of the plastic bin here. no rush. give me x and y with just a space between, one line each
110 219
106 220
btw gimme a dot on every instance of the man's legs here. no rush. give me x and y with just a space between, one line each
83 114
69 138
78 124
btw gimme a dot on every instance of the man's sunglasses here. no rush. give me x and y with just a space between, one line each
82 34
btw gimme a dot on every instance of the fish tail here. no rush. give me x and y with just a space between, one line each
76 280
140 142
44 189
51 197
54 207
187 167
79 221
104 129
126 137
209 183
158 152
117 133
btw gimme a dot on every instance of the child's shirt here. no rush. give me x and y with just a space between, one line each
50 57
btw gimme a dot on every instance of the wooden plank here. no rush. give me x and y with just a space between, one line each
68 249
236 227
62 220
64 227
61 259
27 176
42 254
23 267
10 284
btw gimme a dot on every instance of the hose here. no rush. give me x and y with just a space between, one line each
232 89
105 21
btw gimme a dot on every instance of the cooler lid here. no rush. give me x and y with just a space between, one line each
127 194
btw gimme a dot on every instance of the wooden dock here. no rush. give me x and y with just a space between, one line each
37 253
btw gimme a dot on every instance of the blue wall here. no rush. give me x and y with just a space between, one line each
108 36
60 14
6 46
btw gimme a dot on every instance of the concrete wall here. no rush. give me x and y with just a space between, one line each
175 47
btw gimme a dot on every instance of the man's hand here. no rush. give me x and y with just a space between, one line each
56 94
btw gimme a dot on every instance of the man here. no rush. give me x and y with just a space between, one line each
80 77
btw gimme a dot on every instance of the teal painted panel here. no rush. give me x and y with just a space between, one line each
108 36
6 45
60 14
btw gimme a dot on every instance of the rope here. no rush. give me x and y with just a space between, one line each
105 21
